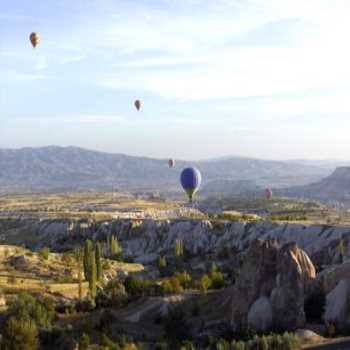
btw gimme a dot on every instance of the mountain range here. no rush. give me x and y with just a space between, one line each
55 168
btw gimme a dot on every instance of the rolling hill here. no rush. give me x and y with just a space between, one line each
335 187
56 168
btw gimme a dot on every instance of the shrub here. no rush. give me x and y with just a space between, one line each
184 279
84 342
21 334
44 253
238 345
162 263
27 307
205 283
222 344
108 343
217 280
171 285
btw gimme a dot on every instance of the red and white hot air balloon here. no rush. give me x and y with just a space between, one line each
34 39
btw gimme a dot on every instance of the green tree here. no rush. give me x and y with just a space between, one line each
217 280
20 334
263 344
84 342
115 247
79 259
88 252
108 245
205 283
26 306
93 277
341 250
162 263
98 262
179 248
44 253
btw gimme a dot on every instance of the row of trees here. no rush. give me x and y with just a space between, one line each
89 262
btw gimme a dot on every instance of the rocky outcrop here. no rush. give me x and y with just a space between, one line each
338 306
334 283
273 281
260 314
294 272
144 239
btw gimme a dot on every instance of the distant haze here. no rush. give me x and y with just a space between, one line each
263 79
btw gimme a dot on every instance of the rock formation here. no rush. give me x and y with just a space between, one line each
270 290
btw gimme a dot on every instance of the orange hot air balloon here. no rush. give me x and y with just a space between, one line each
138 104
34 39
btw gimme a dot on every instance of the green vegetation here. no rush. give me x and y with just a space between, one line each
26 316
341 250
288 217
79 255
116 249
179 248
44 253
20 334
162 263
88 249
93 277
84 342
98 254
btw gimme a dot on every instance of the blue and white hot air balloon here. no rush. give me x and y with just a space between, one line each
191 179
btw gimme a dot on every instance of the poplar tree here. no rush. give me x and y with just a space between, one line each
98 262
79 260
92 279
88 252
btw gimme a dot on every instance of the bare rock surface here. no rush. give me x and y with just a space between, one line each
274 277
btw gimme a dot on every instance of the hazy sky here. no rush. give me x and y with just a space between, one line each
262 78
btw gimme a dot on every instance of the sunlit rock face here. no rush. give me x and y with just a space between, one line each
144 237
270 291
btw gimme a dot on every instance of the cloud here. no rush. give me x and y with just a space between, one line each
212 62
74 118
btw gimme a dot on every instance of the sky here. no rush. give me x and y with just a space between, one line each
260 78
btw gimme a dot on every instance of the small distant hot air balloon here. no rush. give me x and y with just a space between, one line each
268 193
34 39
138 104
191 179
171 163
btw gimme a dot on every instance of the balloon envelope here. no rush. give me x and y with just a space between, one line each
34 39
137 104
191 179
171 163
268 193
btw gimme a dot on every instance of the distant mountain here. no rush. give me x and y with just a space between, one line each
73 168
335 187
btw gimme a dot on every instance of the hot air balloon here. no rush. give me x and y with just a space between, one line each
34 39
268 193
138 104
171 163
191 179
